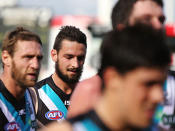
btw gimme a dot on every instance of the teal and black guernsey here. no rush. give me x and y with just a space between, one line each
52 102
89 121
16 115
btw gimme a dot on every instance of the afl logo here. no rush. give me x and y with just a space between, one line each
12 126
54 115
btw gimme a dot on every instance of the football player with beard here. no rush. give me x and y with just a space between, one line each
53 93
21 58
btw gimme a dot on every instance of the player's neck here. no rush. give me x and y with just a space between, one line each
12 86
65 87
109 115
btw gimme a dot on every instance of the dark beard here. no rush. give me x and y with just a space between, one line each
65 78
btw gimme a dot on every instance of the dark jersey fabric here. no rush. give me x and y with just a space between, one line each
42 108
18 105
89 122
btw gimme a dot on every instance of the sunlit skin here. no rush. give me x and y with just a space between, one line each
21 70
147 12
70 59
90 95
130 99
26 63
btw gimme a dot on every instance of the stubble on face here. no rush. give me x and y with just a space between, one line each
21 77
73 79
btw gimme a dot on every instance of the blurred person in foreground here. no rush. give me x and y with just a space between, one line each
128 13
134 66
21 58
124 13
52 94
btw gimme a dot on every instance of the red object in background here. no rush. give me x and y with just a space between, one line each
77 20
57 20
170 30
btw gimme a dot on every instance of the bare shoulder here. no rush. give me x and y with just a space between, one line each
85 89
89 84
55 126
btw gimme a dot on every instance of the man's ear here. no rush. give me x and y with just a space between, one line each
6 58
120 26
112 79
54 55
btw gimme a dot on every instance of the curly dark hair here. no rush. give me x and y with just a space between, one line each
69 33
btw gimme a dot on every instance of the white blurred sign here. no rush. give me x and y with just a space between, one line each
26 16
4 3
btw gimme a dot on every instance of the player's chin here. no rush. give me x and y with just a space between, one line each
142 125
30 83
146 122
73 75
143 121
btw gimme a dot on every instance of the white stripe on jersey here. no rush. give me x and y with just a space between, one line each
168 108
47 101
78 126
6 112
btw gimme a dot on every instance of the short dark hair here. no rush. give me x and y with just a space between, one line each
133 47
123 9
69 33
19 33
